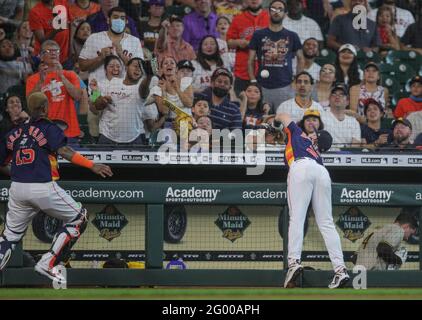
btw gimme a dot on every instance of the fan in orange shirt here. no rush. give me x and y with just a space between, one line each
60 86
82 9
406 106
41 19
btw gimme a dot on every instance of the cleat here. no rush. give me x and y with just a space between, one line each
6 248
43 268
295 269
340 279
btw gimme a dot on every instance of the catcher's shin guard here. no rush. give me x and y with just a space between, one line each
66 237
6 248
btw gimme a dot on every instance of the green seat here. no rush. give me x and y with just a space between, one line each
409 57
325 56
391 83
365 57
386 69
403 72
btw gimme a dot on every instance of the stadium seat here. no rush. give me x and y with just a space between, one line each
409 57
386 69
325 56
403 72
392 84
364 57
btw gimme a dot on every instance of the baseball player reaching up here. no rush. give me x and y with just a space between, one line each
307 181
33 147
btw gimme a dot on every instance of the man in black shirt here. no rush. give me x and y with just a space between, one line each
149 30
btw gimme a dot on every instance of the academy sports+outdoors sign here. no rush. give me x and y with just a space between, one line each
228 193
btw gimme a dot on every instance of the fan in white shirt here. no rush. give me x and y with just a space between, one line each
304 27
345 130
207 61
113 41
310 52
170 86
297 106
122 102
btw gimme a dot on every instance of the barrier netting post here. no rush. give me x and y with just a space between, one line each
154 236
420 238
285 236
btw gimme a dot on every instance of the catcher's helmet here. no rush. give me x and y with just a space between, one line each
325 140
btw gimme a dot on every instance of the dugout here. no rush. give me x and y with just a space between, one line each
234 232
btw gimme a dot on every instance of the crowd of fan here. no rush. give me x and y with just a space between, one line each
229 64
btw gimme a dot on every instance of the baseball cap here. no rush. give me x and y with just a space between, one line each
402 120
416 79
185 64
157 3
222 71
311 113
340 86
325 140
371 64
174 18
36 100
371 101
350 47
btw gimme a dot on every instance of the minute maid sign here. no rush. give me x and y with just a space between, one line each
365 196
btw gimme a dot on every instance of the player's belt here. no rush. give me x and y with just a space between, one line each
303 158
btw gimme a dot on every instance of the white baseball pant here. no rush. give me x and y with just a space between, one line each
26 199
309 181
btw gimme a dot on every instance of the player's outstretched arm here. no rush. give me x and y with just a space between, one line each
76 158
284 118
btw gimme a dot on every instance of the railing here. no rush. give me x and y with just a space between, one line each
155 196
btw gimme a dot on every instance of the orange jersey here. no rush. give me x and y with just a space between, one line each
243 26
41 18
77 12
61 105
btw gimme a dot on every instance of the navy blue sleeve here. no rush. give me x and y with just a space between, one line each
294 129
55 138
297 45
254 42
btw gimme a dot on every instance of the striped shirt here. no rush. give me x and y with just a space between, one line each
224 116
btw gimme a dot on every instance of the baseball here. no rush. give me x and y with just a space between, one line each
265 74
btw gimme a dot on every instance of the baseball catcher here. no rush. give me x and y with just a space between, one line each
381 249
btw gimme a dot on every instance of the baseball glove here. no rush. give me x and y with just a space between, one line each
272 135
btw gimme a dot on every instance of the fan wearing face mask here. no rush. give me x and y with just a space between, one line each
207 61
114 41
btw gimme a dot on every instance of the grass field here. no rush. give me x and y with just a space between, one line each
212 294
